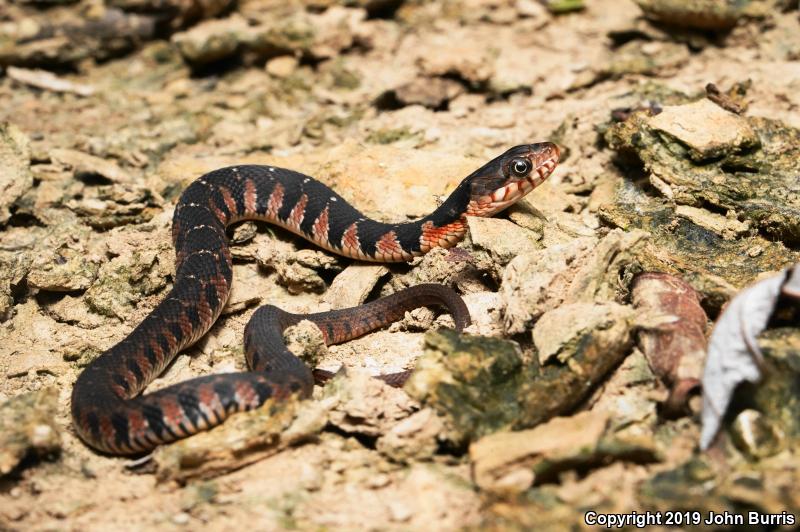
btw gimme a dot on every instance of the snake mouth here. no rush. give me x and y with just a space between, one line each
542 158
544 162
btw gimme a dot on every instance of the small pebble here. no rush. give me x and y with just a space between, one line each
755 251
282 67
379 481
399 512
41 435
181 518
311 477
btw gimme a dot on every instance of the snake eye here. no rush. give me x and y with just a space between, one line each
520 167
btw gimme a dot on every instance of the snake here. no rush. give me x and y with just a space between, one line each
112 415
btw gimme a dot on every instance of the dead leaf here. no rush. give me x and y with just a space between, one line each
733 353
675 344
792 286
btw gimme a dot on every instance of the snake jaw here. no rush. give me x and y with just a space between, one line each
544 160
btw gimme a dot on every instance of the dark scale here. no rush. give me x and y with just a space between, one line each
263 389
150 354
217 202
170 309
189 291
264 186
197 193
212 298
201 216
452 209
177 331
233 181
237 191
226 395
341 216
163 343
155 419
200 238
120 423
319 196
328 329
205 264
93 422
190 405
408 236
292 191
347 329
135 369
121 382
369 232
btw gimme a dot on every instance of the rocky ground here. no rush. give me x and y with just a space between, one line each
576 388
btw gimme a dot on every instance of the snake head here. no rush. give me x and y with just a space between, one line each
506 179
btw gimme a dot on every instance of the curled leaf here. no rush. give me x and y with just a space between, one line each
792 286
672 333
733 353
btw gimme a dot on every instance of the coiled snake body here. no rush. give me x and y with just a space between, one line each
108 412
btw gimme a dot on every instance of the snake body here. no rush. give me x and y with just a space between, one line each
109 413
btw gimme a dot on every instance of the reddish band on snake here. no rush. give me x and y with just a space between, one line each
110 414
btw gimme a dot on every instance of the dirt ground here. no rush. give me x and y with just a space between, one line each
109 109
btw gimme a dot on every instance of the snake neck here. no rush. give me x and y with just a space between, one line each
447 225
